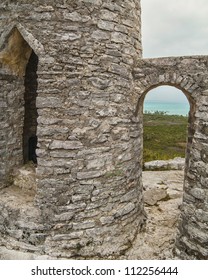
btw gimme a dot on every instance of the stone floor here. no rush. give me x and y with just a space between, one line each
163 196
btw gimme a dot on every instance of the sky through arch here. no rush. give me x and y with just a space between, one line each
166 99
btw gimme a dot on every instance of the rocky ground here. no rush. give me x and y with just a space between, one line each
162 196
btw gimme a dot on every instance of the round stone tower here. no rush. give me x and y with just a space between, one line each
67 103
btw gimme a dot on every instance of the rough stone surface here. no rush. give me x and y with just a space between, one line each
85 52
172 164
82 98
25 178
156 241
186 74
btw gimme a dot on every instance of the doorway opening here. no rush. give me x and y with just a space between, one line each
165 147
20 63
30 115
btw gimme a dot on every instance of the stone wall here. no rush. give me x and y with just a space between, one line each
91 85
11 124
190 75
88 169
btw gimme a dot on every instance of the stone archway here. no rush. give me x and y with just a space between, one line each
191 114
158 103
169 72
189 75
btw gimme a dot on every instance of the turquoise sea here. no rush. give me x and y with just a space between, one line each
171 108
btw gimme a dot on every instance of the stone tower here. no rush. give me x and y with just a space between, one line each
67 79
72 87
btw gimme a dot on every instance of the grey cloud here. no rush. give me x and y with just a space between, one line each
172 28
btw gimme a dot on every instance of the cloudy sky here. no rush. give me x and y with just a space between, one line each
174 28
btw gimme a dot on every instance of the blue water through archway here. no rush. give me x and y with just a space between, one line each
167 99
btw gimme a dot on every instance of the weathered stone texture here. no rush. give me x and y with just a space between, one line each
190 75
86 50
85 107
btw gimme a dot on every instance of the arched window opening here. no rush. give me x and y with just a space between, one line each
165 124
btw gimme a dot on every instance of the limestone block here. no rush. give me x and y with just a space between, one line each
107 220
94 2
152 196
51 130
25 178
100 35
118 37
49 102
118 69
69 236
89 174
100 83
60 154
100 162
198 193
41 9
75 17
124 210
108 15
106 25
70 36
66 145
84 225
108 111
64 217
173 164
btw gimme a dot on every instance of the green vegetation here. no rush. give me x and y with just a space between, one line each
164 136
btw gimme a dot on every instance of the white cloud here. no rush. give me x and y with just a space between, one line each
171 28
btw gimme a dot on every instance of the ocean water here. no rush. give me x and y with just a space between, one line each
171 108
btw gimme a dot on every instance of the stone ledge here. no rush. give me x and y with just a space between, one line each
172 164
